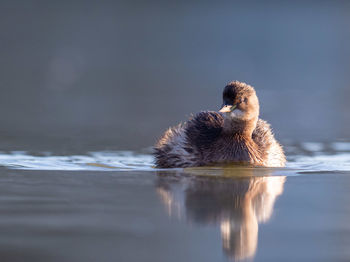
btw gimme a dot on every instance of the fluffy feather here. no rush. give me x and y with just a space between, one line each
201 141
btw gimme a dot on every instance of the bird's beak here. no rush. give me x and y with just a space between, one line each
227 108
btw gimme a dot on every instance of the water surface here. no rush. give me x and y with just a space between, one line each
115 206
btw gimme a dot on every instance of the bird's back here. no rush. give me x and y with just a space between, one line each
201 141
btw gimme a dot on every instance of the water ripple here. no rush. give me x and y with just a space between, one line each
302 158
103 161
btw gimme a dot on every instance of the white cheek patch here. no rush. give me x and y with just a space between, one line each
237 113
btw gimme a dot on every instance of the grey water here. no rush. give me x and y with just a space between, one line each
116 206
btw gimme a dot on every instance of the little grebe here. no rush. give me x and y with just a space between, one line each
235 134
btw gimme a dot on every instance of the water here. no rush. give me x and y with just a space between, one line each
115 206
120 72
79 82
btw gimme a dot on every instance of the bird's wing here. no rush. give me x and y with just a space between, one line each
204 128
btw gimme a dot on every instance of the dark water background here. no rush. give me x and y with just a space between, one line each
117 73
82 80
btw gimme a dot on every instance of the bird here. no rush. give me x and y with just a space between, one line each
233 135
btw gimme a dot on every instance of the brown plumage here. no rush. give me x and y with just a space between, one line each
235 134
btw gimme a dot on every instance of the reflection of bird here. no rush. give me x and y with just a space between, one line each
238 205
235 134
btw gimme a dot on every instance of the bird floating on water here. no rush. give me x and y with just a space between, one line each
235 134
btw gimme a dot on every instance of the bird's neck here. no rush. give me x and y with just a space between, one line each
241 128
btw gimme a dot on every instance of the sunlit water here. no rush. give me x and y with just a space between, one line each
91 161
306 157
116 206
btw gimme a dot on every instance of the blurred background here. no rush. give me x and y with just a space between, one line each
114 75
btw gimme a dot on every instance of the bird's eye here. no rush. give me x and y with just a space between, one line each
245 99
